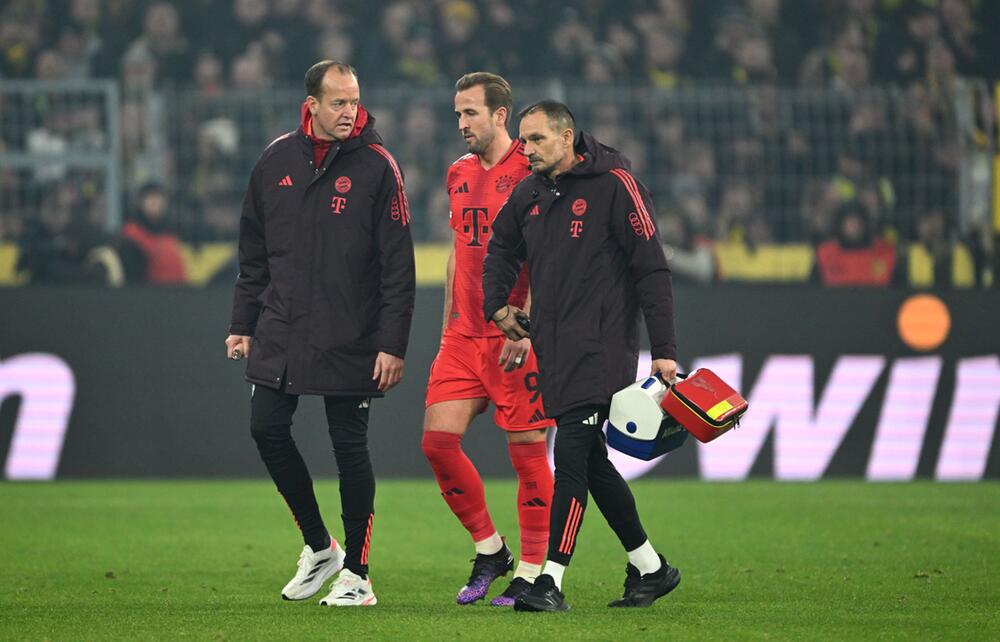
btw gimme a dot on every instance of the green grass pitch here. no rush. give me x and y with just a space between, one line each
761 560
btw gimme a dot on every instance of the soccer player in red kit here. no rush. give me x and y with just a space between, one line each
477 364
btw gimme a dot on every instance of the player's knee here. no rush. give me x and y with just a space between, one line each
526 437
437 444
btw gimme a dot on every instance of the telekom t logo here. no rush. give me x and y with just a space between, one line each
47 387
575 227
337 204
475 220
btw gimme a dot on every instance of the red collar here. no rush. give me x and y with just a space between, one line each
307 124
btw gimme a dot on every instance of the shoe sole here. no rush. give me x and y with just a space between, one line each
330 572
372 601
527 608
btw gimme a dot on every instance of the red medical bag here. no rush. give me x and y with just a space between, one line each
704 404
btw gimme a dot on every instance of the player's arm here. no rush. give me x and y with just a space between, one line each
398 284
504 256
634 228
254 274
449 284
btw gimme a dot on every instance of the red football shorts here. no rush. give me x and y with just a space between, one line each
466 368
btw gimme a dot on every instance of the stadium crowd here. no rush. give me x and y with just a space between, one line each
834 125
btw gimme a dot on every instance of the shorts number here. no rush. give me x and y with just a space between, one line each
531 385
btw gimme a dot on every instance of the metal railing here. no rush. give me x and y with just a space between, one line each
60 148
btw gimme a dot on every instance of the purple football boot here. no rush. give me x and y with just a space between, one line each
485 569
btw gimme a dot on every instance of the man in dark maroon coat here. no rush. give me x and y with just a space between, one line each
322 306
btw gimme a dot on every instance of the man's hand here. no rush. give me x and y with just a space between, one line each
237 347
506 319
666 368
388 370
514 354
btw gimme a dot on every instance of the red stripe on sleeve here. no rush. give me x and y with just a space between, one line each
404 203
633 189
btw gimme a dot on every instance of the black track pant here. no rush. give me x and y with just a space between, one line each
582 464
270 425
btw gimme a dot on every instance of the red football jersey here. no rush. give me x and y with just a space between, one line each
475 196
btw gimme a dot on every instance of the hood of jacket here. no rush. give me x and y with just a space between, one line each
596 157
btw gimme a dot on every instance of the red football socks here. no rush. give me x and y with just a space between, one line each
534 496
460 483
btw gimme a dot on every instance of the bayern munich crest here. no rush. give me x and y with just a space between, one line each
342 184
504 183
579 206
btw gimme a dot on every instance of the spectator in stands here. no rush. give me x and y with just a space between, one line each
965 36
753 60
60 246
150 252
20 37
737 205
855 256
209 75
663 52
163 40
729 28
690 262
457 23
934 260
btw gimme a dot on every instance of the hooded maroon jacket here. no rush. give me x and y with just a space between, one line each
326 263
594 258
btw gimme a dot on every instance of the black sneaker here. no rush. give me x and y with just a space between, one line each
517 586
643 590
485 569
542 596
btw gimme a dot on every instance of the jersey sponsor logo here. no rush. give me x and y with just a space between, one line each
475 221
579 207
342 184
504 183
575 228
395 211
337 204
461 189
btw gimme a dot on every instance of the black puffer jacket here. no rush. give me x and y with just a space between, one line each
594 258
326 264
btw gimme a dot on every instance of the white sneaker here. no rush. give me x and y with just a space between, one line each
314 570
350 590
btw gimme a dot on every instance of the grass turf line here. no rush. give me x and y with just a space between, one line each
761 560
